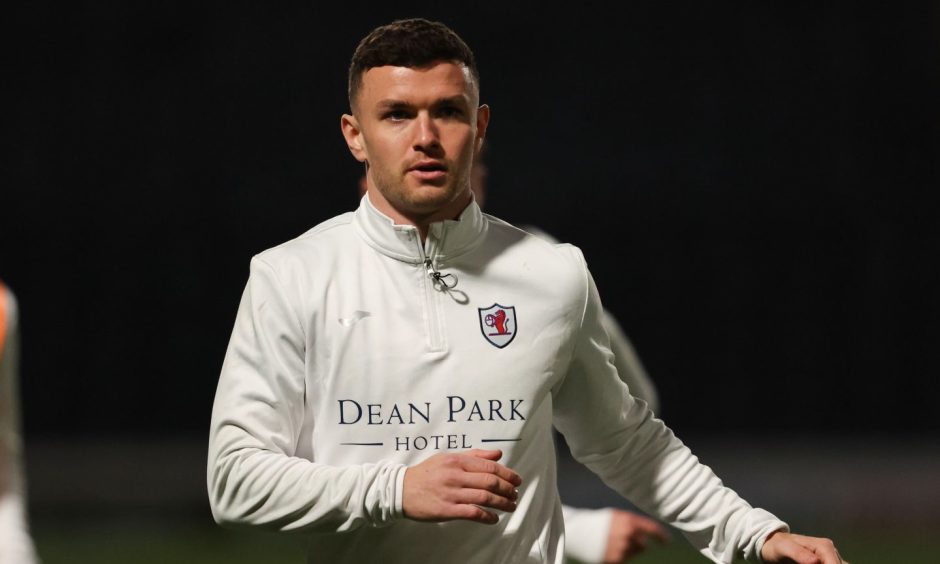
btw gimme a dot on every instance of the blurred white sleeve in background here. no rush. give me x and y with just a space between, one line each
16 546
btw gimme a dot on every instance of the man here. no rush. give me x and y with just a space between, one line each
15 543
384 362
607 535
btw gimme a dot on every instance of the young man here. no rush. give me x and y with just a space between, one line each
384 362
15 542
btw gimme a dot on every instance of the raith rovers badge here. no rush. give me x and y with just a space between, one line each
498 324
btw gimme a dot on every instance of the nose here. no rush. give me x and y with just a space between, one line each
427 136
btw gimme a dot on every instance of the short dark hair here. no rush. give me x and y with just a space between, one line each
411 43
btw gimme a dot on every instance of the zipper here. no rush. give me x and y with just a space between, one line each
433 314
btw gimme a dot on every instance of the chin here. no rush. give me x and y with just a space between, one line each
432 197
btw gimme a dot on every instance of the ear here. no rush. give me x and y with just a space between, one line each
483 120
353 135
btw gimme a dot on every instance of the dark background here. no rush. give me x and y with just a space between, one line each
753 187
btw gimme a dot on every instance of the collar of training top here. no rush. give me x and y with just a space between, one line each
446 239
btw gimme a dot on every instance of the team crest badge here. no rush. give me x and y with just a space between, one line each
498 324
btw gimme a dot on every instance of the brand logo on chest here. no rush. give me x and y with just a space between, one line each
498 324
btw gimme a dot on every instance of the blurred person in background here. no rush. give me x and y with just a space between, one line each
592 536
376 361
16 546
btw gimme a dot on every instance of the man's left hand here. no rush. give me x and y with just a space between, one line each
786 547
629 535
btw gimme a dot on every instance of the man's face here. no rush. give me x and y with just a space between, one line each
418 129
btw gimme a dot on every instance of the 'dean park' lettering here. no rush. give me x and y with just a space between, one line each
351 412
488 410
458 410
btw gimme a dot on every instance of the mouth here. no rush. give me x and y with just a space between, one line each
429 170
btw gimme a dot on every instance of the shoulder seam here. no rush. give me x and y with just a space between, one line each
338 221
277 278
315 231
585 298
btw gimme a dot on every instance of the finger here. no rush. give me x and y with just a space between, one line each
489 482
484 498
825 549
473 464
494 454
797 552
469 512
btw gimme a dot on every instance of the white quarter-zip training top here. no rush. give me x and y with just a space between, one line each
350 360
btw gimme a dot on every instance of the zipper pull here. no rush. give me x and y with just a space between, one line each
441 281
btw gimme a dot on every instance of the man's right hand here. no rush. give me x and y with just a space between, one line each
451 486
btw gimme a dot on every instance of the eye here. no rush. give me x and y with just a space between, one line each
450 112
395 115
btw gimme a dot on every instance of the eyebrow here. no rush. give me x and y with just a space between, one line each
392 104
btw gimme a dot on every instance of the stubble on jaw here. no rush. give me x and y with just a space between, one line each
423 202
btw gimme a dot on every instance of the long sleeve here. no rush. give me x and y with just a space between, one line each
586 532
254 478
15 542
639 457
628 364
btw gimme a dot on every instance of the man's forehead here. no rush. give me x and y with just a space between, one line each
439 79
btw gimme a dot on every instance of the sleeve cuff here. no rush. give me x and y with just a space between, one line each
384 503
765 532
398 509
586 532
